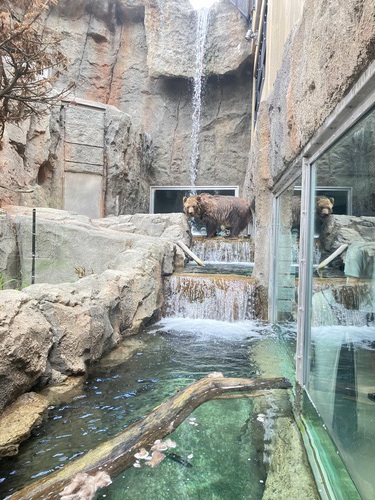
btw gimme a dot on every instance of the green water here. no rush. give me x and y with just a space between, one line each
224 464
225 448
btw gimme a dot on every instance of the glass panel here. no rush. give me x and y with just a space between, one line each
342 365
166 200
286 258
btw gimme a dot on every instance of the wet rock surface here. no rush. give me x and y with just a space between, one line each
171 39
94 286
18 420
289 475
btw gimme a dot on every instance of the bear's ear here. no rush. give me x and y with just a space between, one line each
184 199
332 200
198 198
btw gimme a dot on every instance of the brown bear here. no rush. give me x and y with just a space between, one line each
217 210
323 208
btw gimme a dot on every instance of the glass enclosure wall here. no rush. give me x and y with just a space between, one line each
337 328
341 380
286 259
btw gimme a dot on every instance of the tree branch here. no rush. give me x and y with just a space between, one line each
117 454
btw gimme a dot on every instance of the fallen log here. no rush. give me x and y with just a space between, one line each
117 454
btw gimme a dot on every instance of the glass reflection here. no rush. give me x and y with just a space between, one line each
287 259
342 365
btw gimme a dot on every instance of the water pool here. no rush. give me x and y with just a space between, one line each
224 445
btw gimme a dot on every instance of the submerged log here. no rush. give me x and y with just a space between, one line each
117 454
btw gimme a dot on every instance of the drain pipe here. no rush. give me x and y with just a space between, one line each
187 250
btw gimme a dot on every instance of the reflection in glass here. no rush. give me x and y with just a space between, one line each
342 365
287 259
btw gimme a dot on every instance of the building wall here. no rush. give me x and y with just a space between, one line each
274 20
282 16
324 55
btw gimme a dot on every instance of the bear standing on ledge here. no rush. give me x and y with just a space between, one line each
323 208
217 210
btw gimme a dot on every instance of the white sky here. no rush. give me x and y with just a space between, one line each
198 4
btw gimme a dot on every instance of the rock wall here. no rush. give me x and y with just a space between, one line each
171 39
325 54
134 60
94 286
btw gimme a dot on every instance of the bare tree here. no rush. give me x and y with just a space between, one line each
30 60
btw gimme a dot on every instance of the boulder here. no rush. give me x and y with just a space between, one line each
340 229
96 283
69 245
19 419
25 343
173 226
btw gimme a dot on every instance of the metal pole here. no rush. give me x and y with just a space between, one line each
33 247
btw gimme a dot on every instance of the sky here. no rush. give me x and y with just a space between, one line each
198 4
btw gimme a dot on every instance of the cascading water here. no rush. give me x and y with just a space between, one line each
210 297
221 290
202 24
223 250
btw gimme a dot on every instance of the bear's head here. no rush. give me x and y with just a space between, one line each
192 206
324 206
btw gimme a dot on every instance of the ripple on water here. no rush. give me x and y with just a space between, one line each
176 352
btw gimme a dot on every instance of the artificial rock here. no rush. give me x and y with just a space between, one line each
133 96
94 286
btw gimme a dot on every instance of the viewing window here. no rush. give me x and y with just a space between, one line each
341 367
167 199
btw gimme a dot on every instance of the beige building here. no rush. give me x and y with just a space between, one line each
270 25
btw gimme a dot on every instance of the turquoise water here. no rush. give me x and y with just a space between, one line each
224 445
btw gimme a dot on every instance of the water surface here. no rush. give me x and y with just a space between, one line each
226 458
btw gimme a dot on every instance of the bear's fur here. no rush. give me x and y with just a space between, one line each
323 208
217 210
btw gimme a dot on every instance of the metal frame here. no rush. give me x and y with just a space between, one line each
244 7
305 274
273 265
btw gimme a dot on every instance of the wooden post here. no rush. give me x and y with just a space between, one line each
187 250
333 255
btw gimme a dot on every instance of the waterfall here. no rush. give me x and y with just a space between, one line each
209 297
343 306
223 250
202 23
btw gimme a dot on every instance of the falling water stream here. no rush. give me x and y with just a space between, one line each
221 297
219 250
202 24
